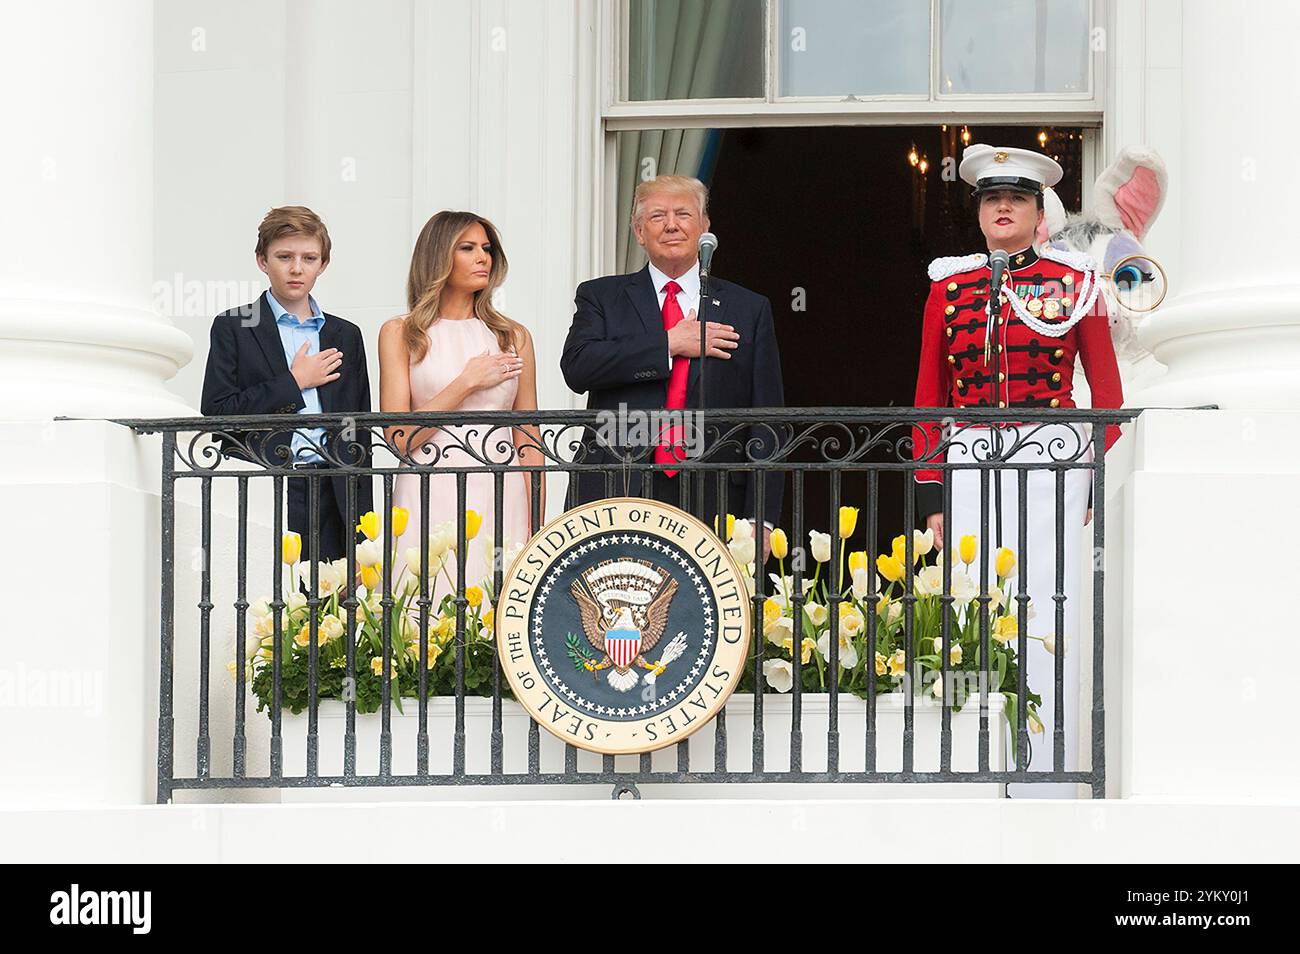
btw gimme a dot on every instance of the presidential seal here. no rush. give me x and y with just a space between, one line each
623 625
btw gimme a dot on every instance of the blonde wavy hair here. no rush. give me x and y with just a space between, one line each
431 264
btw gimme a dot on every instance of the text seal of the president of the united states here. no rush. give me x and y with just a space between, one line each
623 625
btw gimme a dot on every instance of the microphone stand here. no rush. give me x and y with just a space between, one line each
995 337
704 297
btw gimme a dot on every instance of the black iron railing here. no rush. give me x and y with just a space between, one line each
829 445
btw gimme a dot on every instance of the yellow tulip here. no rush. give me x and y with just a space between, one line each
474 595
445 629
848 521
369 525
967 547
806 648
473 521
857 561
771 613
303 638
897 663
370 577
890 567
377 667
731 526
1005 563
291 547
488 618
1005 629
881 664
400 516
780 544
434 652
899 548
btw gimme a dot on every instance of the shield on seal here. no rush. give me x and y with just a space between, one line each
623 640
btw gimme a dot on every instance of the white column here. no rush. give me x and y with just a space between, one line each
78 338
77 334
1231 336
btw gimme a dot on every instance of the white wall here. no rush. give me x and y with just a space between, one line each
375 115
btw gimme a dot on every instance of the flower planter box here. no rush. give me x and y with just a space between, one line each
740 721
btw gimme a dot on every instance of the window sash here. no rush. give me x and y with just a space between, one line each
1063 108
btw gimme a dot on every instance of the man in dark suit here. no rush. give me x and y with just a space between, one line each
282 355
635 344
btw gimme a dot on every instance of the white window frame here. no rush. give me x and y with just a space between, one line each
618 115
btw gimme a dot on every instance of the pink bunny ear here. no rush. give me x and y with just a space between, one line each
1138 200
1131 191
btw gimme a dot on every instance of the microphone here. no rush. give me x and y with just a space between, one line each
708 244
998 262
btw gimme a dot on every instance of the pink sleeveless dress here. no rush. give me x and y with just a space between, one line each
452 343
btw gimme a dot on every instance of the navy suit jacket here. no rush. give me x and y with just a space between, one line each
247 374
617 352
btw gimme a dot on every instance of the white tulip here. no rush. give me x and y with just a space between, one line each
441 539
368 553
742 548
929 582
963 588
861 584
742 528
779 674
1049 643
781 630
295 601
252 643
261 608
413 560
783 585
821 545
331 626
848 654
922 543
817 614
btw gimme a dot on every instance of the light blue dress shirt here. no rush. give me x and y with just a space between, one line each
292 335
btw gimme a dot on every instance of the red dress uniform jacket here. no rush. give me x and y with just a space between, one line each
1037 369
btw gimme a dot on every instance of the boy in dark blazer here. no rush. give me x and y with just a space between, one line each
282 355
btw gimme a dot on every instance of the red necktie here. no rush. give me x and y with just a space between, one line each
665 453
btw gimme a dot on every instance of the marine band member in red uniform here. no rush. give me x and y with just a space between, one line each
1052 319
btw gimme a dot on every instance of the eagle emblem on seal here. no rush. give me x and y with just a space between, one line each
624 605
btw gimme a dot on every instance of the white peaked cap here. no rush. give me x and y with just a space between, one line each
1005 167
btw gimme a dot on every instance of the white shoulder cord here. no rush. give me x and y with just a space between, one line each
1085 299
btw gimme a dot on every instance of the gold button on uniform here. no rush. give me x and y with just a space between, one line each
1002 404
949 330
1055 402
1058 353
952 286
1056 378
949 310
1067 302
951 359
1067 279
1002 376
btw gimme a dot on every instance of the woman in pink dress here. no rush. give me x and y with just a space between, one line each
453 351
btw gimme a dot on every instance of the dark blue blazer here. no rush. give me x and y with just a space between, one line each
247 374
617 353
